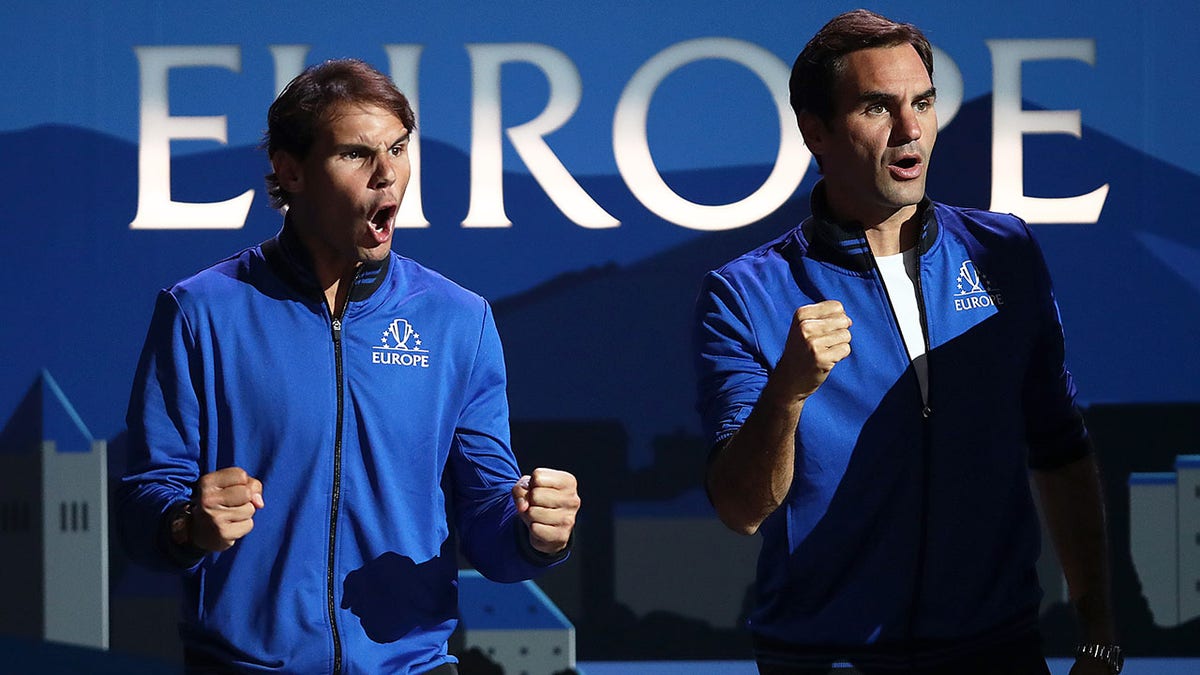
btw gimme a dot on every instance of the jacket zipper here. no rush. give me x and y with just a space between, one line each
926 459
336 331
926 412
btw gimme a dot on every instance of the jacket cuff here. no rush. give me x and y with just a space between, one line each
183 556
536 557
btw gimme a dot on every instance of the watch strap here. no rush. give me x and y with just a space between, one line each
1109 654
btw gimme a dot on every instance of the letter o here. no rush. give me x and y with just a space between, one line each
632 149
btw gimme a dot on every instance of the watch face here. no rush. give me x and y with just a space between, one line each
179 530
180 525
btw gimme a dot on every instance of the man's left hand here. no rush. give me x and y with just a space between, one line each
547 500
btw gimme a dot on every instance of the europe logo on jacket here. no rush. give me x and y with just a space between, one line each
400 345
974 291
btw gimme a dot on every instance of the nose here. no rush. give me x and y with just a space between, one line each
907 127
385 173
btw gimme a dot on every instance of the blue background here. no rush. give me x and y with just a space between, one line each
1129 285
595 322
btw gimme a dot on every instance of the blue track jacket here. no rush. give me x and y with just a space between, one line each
908 523
349 424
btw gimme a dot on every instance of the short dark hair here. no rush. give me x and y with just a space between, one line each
306 102
815 72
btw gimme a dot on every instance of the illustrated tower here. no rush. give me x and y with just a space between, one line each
53 523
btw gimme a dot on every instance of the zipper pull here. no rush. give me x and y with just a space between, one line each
337 330
926 412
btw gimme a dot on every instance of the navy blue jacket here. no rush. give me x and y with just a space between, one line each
906 523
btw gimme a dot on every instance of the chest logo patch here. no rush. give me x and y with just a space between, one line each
400 345
974 290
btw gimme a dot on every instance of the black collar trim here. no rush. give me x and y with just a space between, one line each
844 243
288 258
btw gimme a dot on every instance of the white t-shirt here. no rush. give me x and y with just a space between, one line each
899 279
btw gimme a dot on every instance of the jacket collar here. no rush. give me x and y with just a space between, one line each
289 259
844 243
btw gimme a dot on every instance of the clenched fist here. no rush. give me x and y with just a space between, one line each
818 339
547 500
223 507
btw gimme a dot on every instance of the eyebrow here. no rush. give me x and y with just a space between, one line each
364 148
884 97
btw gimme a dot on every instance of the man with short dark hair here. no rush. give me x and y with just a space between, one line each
320 390
891 484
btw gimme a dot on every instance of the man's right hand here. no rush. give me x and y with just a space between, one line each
818 338
750 475
223 507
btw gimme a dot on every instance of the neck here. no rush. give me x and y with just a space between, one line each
333 274
894 235
889 230
337 292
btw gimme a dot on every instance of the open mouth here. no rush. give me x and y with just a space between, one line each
383 219
906 168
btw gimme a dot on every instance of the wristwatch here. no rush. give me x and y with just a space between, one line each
1109 654
181 524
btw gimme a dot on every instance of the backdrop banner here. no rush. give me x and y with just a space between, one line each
582 165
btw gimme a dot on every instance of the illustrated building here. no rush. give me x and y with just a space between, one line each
1164 538
53 523
515 625
720 564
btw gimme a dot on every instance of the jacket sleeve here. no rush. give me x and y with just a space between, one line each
483 471
162 439
730 372
1054 426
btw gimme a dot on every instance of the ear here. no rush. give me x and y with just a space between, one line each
288 171
814 131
